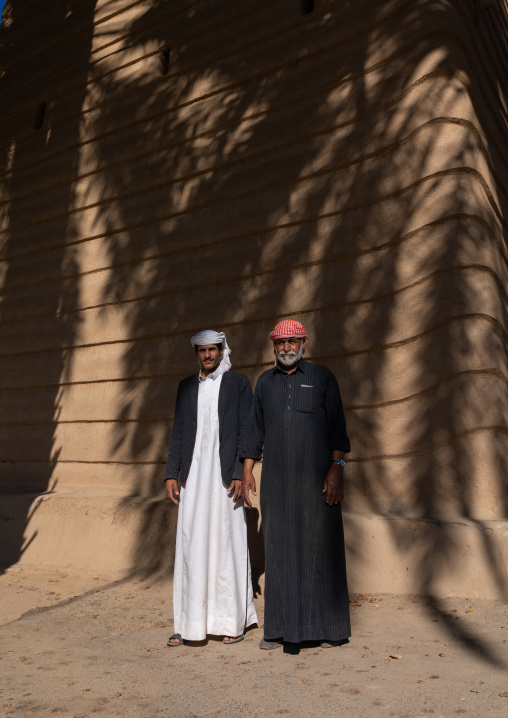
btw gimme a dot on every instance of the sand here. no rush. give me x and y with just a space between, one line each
78 645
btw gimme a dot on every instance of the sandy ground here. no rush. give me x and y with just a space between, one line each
80 645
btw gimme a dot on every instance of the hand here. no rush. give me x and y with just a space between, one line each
248 485
171 487
236 487
334 485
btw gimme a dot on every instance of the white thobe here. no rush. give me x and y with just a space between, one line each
212 588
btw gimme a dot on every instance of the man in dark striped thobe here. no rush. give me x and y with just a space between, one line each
297 425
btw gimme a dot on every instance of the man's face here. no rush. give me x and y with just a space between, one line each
289 351
209 358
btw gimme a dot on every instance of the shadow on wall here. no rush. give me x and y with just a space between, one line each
344 167
347 168
28 453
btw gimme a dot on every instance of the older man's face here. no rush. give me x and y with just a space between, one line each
289 351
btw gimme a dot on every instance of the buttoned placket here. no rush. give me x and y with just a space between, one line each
290 379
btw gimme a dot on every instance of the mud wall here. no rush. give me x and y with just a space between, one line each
166 167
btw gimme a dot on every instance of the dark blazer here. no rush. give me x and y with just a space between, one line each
235 398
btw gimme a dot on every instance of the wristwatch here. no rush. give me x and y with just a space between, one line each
340 462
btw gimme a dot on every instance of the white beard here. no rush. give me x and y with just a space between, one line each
289 359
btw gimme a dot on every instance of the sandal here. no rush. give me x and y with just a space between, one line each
267 645
334 644
177 642
233 640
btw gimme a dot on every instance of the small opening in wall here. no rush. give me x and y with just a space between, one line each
164 54
306 6
39 115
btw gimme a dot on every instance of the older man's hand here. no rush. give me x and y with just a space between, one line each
334 485
248 481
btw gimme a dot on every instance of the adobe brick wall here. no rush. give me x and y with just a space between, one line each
346 168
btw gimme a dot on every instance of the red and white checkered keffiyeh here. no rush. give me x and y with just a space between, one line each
288 328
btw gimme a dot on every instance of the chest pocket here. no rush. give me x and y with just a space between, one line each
305 399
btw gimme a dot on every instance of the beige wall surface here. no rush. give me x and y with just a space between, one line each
215 164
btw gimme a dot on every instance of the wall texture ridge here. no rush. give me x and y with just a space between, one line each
213 169
166 167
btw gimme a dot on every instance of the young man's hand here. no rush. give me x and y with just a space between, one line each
236 488
171 486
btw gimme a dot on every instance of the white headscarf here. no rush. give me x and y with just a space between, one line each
209 336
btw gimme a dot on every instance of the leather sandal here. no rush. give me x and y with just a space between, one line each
232 640
267 645
174 643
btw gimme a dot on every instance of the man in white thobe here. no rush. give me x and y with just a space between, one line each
212 589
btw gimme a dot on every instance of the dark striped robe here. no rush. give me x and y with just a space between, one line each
296 421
